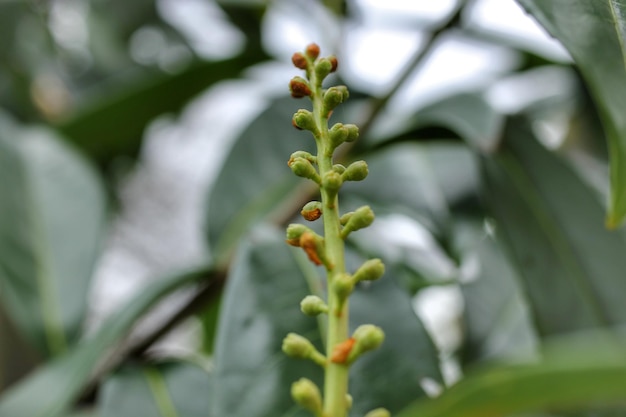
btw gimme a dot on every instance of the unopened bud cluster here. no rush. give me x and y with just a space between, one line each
329 177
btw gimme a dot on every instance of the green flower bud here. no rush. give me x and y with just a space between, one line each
302 154
362 217
334 96
299 87
297 346
312 211
312 305
356 171
294 232
306 394
379 412
332 182
338 168
370 271
338 134
312 50
353 132
342 285
349 401
303 119
303 168
300 347
323 67
366 337
343 220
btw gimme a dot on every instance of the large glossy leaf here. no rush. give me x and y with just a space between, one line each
568 377
468 115
57 385
255 178
261 305
166 389
594 33
496 316
571 266
52 214
112 123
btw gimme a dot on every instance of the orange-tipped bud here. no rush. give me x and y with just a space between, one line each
312 50
299 61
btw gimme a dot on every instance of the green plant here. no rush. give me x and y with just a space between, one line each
502 204
329 251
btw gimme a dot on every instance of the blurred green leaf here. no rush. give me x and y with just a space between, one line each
51 223
392 375
261 305
166 389
113 122
255 179
17 358
567 378
594 33
551 220
394 170
497 320
57 385
467 114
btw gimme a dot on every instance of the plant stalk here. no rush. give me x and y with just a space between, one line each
336 375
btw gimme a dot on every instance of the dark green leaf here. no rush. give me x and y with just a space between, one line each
468 115
568 377
52 216
497 322
171 389
391 376
572 267
113 123
261 305
58 384
594 33
255 178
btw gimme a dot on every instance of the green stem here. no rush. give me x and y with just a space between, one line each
336 375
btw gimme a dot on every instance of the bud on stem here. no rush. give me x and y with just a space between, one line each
307 395
300 347
379 412
361 218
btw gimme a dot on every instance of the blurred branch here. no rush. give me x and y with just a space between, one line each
204 295
418 59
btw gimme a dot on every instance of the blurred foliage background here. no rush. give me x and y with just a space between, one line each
143 188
